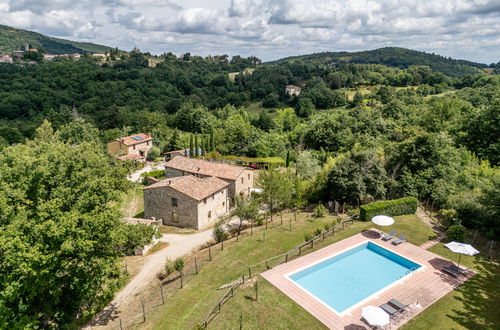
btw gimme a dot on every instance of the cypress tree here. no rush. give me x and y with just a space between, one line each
207 144
191 148
212 142
202 145
196 145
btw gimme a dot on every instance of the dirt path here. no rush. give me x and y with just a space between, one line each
136 176
179 245
435 226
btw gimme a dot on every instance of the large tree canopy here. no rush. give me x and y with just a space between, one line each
57 221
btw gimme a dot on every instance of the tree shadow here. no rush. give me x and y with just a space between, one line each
480 297
353 326
110 313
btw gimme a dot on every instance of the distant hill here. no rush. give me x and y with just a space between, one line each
393 56
14 39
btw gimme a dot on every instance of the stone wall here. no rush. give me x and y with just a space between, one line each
158 204
188 213
216 204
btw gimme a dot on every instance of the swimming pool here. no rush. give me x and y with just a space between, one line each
342 281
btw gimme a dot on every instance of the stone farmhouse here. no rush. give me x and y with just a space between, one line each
240 179
186 201
292 90
135 147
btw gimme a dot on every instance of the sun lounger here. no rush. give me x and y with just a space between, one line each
388 309
391 235
457 269
399 240
399 305
450 271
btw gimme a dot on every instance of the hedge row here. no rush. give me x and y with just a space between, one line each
406 205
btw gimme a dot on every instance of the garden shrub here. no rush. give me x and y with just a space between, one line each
219 232
319 211
456 233
406 205
317 232
307 236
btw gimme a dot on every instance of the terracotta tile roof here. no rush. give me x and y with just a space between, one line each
192 186
129 140
204 167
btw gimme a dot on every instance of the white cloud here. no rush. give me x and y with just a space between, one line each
269 28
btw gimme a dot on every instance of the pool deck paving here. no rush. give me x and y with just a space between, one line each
419 289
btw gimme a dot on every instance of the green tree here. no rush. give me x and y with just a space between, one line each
56 220
246 209
191 146
276 189
305 107
196 148
358 177
306 165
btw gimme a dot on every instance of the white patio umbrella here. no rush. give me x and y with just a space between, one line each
461 248
382 220
375 316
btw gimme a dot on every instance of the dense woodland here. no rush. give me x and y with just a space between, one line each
357 133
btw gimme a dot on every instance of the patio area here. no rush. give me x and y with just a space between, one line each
425 287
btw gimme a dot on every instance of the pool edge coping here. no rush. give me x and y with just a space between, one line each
361 302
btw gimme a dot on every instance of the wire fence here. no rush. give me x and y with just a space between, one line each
486 247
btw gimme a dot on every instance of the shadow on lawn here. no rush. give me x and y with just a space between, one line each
480 298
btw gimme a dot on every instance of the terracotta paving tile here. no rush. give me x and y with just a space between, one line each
425 287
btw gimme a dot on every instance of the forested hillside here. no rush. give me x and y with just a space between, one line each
14 39
393 56
355 134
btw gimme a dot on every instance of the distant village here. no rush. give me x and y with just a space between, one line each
18 56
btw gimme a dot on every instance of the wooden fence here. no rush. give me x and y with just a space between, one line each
274 261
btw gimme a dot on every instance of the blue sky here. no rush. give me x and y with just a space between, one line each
269 29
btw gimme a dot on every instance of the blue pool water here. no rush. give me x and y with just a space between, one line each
347 278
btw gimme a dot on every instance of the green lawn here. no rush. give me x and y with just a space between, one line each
132 202
273 310
474 305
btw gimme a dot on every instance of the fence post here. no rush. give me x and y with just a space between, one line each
162 299
312 243
181 280
323 236
491 248
242 278
300 250
249 272
121 327
281 217
209 252
143 311
251 229
286 258
256 291
196 265
222 245
267 266
241 321
343 225
232 292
